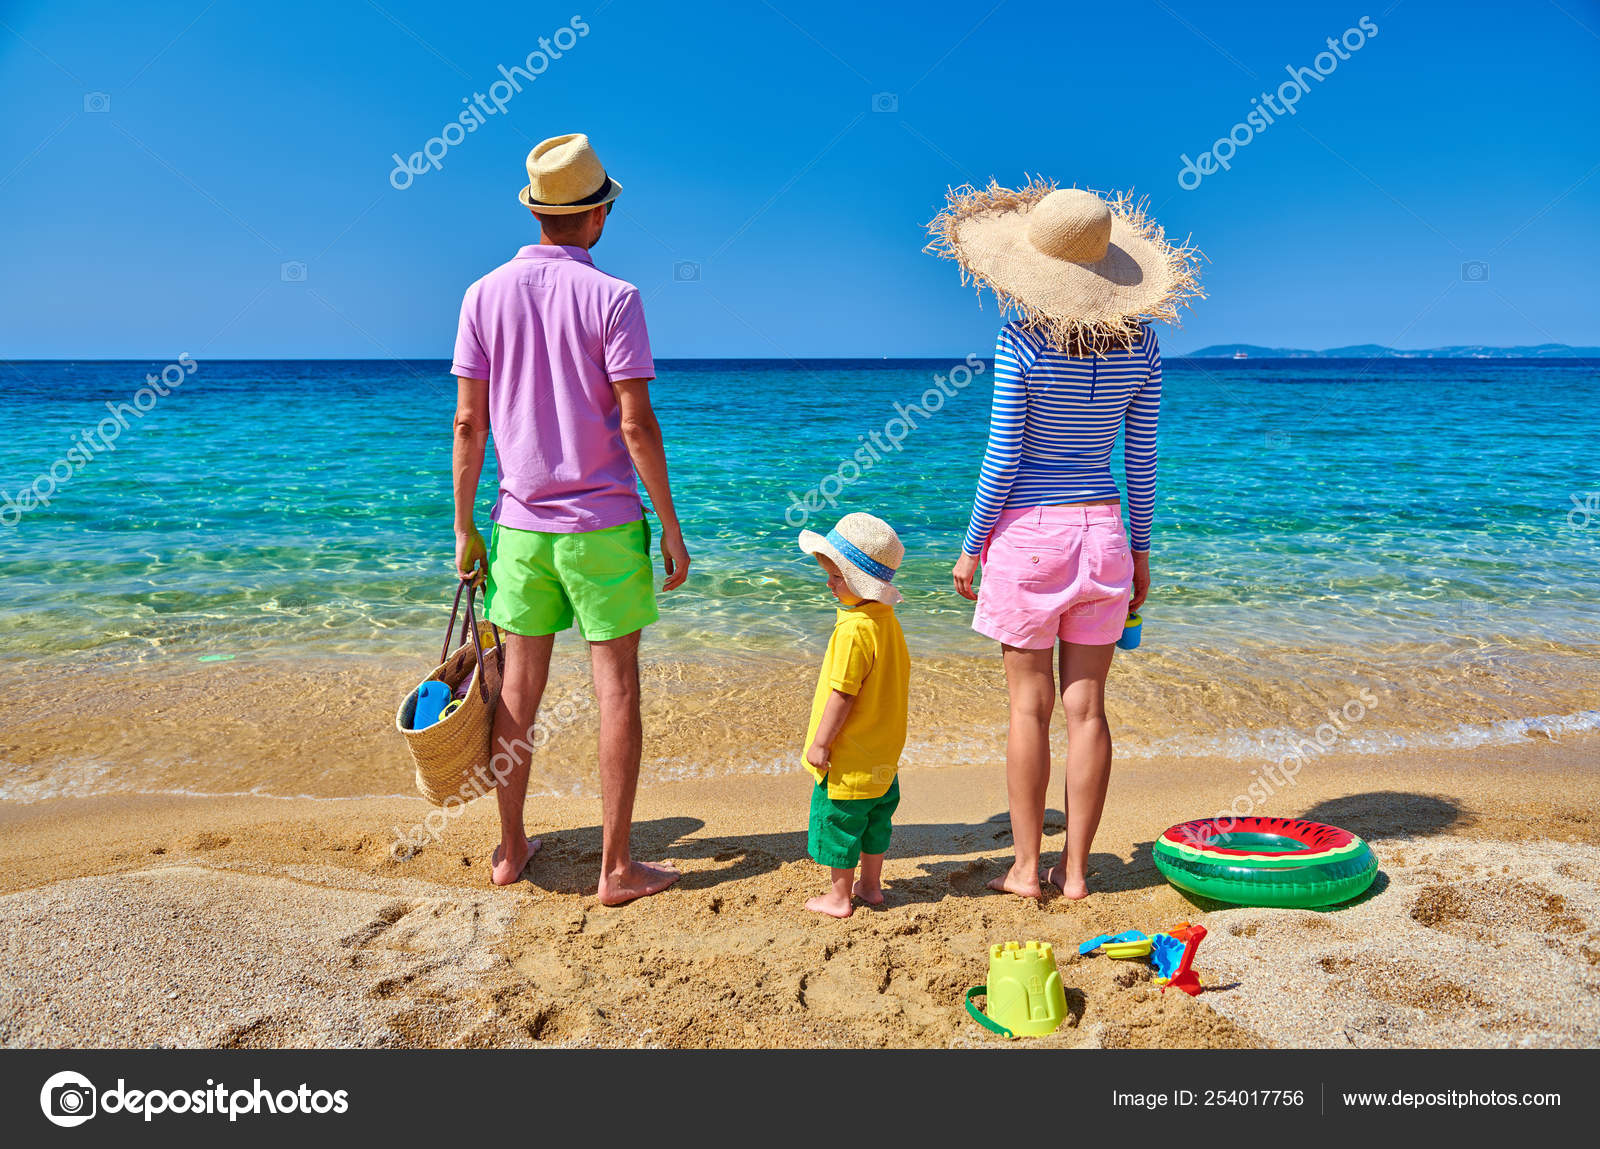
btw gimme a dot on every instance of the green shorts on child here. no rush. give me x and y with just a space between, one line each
842 829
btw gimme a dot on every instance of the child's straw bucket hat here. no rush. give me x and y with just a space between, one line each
867 552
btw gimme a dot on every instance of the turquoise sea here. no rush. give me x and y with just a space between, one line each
265 505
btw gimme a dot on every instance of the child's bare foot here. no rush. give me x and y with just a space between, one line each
832 904
506 870
872 895
1020 880
1074 888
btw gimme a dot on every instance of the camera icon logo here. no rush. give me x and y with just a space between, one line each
68 1099
1475 271
686 271
96 102
1278 440
292 272
886 102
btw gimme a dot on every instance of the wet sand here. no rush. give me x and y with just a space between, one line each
166 920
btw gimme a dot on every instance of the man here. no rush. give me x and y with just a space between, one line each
553 357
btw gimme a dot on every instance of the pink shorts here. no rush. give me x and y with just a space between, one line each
1055 572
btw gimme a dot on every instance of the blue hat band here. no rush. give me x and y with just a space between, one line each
860 558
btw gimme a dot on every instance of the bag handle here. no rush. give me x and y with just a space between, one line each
469 626
979 1016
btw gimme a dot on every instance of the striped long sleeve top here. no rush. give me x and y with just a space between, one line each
1054 424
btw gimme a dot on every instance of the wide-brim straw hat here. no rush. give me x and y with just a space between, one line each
565 177
867 552
1085 271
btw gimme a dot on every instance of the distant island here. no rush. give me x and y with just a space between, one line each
1374 351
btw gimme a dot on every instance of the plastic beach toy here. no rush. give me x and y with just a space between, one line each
1186 979
1130 632
1024 993
1133 947
1093 944
1166 952
1266 861
432 697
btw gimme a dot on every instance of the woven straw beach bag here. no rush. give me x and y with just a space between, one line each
452 755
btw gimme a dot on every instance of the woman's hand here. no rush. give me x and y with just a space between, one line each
1141 580
966 567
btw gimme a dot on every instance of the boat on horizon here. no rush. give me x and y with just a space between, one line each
1241 355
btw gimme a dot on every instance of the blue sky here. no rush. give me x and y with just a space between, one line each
164 161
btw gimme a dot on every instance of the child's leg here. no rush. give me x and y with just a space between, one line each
833 839
875 844
870 888
836 902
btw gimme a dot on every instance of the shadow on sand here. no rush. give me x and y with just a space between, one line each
962 857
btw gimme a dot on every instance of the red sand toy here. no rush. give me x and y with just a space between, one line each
1186 979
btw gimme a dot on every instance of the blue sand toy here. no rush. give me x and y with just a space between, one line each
1130 633
1166 952
432 697
1110 939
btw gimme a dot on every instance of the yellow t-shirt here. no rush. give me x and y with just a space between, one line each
866 657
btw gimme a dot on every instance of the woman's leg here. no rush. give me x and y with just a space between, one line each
1030 678
1083 697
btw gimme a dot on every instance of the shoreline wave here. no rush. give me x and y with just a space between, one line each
1233 746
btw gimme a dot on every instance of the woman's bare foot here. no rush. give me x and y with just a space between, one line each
1020 880
872 895
833 904
505 870
1074 888
639 880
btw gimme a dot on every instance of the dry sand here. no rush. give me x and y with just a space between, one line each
170 921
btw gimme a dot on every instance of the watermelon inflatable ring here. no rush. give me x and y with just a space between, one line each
1266 861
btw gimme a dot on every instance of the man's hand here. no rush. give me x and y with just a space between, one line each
966 566
1141 580
466 464
674 558
818 756
472 557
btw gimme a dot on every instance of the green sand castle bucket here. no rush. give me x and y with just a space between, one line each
1024 993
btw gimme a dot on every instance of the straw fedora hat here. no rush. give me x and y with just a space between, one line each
1085 271
566 177
867 552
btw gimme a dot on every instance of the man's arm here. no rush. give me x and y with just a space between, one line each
834 713
641 431
466 465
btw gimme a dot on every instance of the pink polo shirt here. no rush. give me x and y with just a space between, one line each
551 333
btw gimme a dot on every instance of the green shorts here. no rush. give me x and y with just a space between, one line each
842 829
541 581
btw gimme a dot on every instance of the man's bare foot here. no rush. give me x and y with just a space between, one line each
507 870
1022 881
639 880
872 895
1074 888
832 904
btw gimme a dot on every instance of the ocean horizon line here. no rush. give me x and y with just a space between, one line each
670 360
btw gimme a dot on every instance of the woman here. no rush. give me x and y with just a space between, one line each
1085 275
